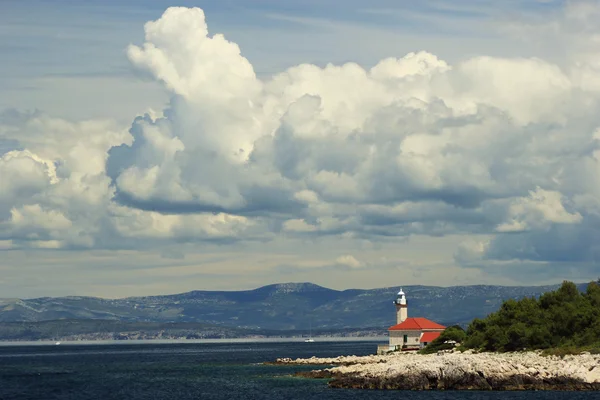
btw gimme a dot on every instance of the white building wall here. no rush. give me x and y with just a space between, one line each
397 338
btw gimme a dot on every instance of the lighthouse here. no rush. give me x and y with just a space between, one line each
409 333
401 307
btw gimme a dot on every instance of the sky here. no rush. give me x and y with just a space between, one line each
153 147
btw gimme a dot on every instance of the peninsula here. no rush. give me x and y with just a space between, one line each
458 371
546 343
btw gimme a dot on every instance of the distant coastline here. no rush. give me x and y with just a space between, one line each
92 330
190 341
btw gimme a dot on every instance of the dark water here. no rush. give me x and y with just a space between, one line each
194 371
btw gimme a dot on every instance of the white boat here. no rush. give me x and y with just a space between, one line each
57 343
310 339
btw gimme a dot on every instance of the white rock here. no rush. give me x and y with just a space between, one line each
585 367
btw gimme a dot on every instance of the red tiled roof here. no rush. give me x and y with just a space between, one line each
416 324
429 337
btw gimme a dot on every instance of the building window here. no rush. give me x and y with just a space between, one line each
405 338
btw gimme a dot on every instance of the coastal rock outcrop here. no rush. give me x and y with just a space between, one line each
459 371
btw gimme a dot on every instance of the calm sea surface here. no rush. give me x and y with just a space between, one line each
194 371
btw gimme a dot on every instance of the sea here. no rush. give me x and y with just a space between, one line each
195 370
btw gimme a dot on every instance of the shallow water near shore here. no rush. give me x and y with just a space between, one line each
195 371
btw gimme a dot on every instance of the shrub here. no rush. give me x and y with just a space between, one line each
565 319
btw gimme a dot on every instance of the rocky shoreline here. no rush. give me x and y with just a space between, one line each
457 371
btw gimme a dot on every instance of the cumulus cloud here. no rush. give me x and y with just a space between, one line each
348 261
541 209
503 147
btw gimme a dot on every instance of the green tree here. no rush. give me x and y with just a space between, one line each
517 338
452 334
564 317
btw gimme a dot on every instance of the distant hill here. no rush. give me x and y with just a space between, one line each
288 306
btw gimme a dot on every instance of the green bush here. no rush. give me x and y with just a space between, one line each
565 320
452 333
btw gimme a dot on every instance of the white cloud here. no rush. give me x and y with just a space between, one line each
487 146
471 251
133 223
348 261
23 174
537 211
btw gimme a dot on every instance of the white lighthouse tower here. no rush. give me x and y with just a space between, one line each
409 333
401 307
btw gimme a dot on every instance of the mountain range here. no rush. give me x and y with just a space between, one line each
279 307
